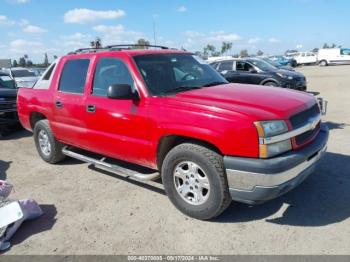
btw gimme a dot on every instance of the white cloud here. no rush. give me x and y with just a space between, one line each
193 34
274 40
182 9
220 36
28 28
74 41
254 40
83 15
19 1
5 21
197 40
3 18
33 29
24 46
117 34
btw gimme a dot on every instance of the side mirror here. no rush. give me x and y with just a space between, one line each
121 91
253 71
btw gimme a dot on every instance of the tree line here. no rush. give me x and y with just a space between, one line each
24 61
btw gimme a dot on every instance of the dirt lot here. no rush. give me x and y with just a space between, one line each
90 212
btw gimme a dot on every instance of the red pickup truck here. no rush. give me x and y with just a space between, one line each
167 110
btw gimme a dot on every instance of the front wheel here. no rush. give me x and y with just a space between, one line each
195 181
270 83
48 147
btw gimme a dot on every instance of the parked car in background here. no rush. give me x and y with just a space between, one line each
258 72
23 76
284 61
329 56
169 111
8 104
277 65
37 71
305 58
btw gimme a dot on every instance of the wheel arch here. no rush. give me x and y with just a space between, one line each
167 142
263 82
34 117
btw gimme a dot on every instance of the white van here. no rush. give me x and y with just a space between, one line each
333 56
305 58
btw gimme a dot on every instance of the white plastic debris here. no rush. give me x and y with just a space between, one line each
26 209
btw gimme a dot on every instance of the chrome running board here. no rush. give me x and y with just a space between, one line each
102 164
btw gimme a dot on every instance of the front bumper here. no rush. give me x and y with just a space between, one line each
255 181
300 85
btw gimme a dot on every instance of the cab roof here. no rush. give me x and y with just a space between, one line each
131 50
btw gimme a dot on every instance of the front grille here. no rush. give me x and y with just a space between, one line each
305 137
7 106
302 118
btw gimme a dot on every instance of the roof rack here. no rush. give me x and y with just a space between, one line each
129 46
114 48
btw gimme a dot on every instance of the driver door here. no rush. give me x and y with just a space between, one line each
118 128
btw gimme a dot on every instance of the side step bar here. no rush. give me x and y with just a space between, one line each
101 164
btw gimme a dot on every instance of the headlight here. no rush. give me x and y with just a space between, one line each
285 76
269 129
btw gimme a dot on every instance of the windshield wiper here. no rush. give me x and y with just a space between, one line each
215 83
181 88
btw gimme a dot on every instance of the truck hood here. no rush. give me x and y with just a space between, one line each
7 93
256 102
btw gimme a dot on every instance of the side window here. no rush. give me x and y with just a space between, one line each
242 66
110 71
73 76
227 65
239 66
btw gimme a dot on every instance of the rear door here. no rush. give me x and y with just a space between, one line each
247 73
119 127
226 68
68 122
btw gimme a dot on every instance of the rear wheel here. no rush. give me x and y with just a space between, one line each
48 147
270 83
195 181
323 63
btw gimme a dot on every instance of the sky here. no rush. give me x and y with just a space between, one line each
34 27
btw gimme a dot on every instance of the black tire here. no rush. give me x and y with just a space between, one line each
323 63
211 163
270 83
55 155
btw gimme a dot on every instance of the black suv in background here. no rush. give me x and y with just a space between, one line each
258 72
8 104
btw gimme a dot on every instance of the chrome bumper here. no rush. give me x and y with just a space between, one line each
258 180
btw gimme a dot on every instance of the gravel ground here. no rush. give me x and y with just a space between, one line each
92 212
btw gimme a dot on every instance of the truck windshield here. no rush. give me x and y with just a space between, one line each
172 73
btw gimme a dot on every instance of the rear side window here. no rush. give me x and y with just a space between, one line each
73 76
227 65
47 76
110 71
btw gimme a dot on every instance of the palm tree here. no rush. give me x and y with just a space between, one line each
141 44
97 43
226 46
